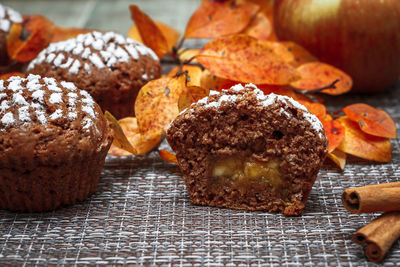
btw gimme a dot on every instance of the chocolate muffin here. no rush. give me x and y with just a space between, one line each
110 67
8 16
53 142
242 149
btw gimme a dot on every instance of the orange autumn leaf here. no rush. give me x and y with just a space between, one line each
120 139
267 8
167 156
149 32
214 19
25 40
186 55
334 131
62 34
372 121
318 75
317 109
194 74
363 145
141 143
157 104
293 53
171 35
259 27
338 157
244 58
192 94
5 76
282 90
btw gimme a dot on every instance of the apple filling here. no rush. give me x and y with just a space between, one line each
244 174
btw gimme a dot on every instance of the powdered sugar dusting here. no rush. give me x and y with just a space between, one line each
7 17
56 114
104 50
263 100
55 98
22 106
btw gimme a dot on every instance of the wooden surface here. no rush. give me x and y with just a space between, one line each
141 214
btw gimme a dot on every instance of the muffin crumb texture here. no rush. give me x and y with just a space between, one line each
242 149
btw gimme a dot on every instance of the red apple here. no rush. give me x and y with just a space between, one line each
361 37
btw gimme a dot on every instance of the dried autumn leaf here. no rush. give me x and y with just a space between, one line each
317 109
317 75
170 34
214 19
167 156
267 8
372 121
149 32
120 140
293 53
192 94
363 145
25 40
62 34
338 157
244 58
334 131
194 74
188 54
157 104
141 143
5 76
259 27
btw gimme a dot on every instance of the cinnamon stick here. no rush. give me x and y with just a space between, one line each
372 198
379 235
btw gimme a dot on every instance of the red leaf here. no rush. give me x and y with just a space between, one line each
372 121
334 131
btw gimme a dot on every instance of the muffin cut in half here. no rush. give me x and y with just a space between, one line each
242 149
110 67
53 142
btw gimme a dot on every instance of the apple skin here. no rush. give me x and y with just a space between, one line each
361 37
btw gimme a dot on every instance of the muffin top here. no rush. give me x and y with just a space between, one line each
8 16
33 101
287 106
93 50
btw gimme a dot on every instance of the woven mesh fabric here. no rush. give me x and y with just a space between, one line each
142 215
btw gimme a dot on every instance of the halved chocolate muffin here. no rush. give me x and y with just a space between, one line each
242 149
110 67
8 16
53 142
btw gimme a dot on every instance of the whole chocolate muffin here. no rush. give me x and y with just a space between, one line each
110 67
53 142
8 16
245 150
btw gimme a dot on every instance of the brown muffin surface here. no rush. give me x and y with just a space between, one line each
246 150
53 142
8 16
110 67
